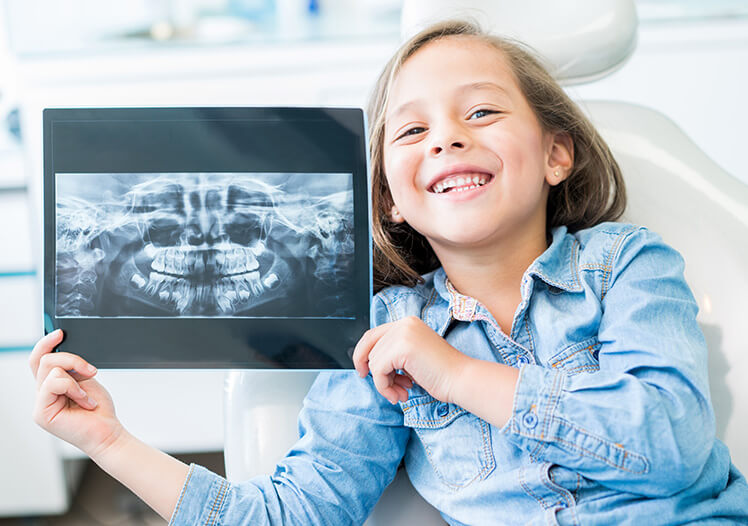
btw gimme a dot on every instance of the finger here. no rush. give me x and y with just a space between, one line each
364 346
403 381
43 346
72 363
386 386
391 391
59 383
400 393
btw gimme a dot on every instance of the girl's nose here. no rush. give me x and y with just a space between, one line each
450 140
436 149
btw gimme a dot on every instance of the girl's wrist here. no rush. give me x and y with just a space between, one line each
152 475
114 442
460 382
485 389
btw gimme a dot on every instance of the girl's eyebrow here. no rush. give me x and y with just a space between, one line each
485 85
402 108
473 86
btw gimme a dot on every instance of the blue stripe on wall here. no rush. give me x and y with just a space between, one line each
17 349
17 274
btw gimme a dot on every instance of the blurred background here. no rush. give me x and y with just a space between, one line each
691 63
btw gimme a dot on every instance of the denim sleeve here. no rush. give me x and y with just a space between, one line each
643 423
351 443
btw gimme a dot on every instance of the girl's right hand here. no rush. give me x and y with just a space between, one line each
70 404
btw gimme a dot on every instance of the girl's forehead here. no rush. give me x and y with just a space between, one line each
449 63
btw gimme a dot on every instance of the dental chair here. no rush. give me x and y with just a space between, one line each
673 187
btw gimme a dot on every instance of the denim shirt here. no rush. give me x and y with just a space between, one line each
611 420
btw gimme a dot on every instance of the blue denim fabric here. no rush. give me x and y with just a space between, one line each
612 420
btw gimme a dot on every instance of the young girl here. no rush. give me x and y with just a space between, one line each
532 361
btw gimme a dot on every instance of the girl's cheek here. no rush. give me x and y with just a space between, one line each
393 170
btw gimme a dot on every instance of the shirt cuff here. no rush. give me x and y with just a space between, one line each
202 498
538 425
536 397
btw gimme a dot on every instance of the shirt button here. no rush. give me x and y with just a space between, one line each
530 420
523 359
442 410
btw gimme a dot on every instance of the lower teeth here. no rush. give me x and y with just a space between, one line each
227 294
462 188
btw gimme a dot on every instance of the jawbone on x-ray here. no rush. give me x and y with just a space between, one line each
213 245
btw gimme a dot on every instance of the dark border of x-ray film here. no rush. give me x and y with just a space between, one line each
250 143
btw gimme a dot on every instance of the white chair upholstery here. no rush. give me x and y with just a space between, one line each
580 40
674 188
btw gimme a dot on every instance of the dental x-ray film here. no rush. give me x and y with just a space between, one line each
207 237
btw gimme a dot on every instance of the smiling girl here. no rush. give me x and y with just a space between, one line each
532 361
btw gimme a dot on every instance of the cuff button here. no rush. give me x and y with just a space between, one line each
530 420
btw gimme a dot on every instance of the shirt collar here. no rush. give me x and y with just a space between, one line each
556 266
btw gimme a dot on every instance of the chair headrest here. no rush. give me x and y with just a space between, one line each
579 40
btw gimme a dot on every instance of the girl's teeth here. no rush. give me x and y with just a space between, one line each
460 181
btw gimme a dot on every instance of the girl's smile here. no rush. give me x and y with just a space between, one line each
459 178
463 186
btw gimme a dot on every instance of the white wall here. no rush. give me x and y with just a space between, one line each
696 73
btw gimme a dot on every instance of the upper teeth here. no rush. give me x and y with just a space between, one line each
461 180
185 261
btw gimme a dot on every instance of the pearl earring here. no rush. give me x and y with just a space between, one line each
555 173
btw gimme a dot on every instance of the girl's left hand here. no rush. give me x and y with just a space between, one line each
413 347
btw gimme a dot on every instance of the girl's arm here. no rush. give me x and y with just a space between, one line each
641 419
73 406
642 423
486 389
331 475
351 443
152 475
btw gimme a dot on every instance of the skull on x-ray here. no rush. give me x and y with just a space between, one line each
202 245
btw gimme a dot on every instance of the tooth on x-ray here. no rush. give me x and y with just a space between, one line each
210 244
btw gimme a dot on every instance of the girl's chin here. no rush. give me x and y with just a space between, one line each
462 240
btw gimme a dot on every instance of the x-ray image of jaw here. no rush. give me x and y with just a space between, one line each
207 245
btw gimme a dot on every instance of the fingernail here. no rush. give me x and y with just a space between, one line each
91 368
91 401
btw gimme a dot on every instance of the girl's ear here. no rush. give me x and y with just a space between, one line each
560 158
395 215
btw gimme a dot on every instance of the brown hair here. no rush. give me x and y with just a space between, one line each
593 192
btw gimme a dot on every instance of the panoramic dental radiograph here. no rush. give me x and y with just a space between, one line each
204 245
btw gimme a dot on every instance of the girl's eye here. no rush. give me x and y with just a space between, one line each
481 113
412 131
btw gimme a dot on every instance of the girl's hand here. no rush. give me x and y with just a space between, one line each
70 404
413 347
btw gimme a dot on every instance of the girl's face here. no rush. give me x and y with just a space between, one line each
466 160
